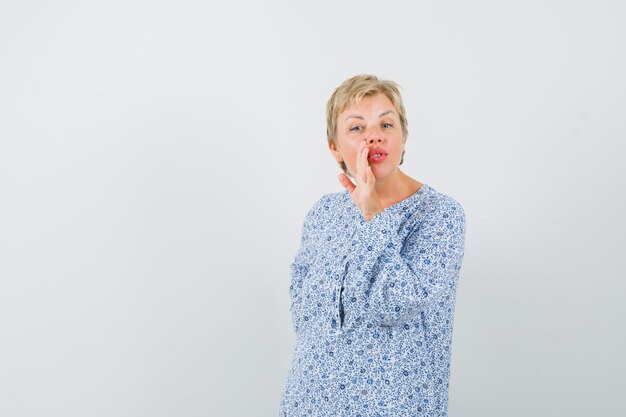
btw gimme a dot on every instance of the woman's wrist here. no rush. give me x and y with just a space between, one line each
369 216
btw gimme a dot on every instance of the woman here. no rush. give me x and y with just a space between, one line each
373 284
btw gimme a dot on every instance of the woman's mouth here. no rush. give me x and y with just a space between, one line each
377 157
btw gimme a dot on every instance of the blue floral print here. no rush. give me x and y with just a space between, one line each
372 305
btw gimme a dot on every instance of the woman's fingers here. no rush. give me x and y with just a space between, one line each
370 175
362 164
359 164
345 181
365 165
363 193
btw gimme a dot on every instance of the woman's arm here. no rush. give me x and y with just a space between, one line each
389 284
300 267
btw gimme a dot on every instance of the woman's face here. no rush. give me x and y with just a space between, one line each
375 121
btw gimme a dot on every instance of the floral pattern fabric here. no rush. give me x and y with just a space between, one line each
372 305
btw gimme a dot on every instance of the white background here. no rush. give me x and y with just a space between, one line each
157 159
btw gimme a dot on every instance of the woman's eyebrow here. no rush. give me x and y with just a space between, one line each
355 116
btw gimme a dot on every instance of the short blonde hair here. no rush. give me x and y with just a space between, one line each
351 92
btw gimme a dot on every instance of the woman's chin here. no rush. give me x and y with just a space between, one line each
379 171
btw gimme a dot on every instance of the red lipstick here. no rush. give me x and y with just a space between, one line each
377 154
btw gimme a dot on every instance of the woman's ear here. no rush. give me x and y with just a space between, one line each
335 152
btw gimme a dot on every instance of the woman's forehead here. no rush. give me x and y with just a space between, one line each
356 106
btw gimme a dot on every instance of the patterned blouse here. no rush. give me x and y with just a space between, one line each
372 305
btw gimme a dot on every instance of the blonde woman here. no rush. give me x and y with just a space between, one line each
373 283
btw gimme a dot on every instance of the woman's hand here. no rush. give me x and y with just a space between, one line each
363 194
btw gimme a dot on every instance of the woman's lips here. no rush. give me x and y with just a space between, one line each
374 158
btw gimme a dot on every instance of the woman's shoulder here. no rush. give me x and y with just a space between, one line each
433 202
323 206
436 202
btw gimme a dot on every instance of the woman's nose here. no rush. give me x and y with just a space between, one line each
374 135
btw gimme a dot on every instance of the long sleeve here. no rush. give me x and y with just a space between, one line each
388 282
300 268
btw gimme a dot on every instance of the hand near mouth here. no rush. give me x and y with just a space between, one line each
363 194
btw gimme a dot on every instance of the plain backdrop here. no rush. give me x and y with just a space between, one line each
157 159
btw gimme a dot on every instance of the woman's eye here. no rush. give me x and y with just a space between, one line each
387 125
356 128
